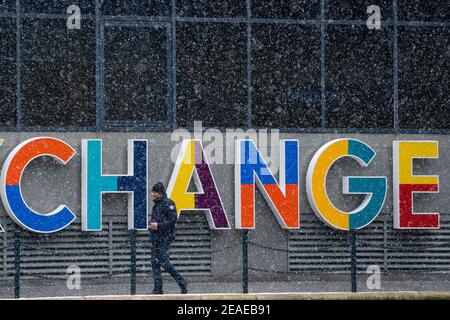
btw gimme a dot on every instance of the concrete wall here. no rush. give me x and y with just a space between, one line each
45 185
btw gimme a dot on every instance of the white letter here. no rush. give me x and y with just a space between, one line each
74 280
74 20
374 21
178 135
231 136
374 280
214 150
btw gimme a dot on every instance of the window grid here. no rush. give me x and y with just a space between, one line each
249 21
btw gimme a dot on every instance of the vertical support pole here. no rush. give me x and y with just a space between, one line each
5 250
385 248
245 261
133 261
353 260
17 264
249 125
110 245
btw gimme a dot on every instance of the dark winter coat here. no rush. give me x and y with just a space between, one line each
164 212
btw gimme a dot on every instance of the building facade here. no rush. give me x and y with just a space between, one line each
313 70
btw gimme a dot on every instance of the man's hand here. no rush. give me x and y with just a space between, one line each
154 225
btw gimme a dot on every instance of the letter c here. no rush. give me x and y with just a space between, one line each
11 176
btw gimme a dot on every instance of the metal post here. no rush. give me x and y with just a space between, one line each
353 260
385 249
5 251
110 246
17 264
133 261
245 261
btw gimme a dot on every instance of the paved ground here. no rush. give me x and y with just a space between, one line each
390 295
121 286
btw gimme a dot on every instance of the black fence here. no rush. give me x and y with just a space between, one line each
353 241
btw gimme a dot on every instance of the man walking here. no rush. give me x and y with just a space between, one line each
162 233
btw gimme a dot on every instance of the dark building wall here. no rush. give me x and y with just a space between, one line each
158 65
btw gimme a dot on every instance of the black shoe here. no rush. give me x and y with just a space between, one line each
157 292
184 289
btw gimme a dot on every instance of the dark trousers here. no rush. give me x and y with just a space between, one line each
160 252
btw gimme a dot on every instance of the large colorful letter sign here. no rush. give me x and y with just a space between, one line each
95 183
406 184
11 176
373 187
193 164
283 198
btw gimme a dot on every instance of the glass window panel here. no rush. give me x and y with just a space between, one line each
286 9
211 74
8 72
286 76
7 6
424 75
359 77
208 8
58 74
56 6
357 9
136 7
424 10
136 73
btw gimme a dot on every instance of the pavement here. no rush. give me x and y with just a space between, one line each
396 295
429 286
